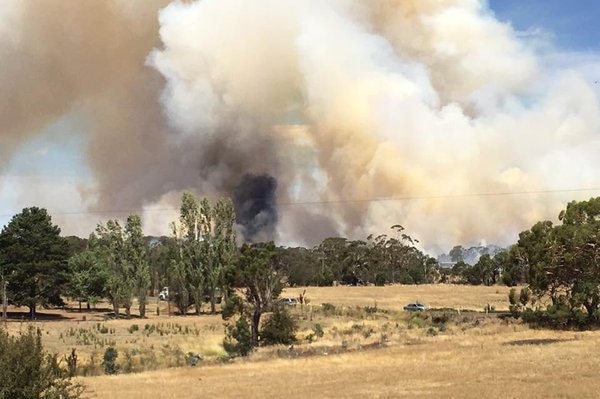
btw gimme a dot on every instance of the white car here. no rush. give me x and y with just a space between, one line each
164 294
288 301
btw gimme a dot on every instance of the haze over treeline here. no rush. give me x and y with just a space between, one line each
303 112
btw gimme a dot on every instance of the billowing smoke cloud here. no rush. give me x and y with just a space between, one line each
255 205
344 103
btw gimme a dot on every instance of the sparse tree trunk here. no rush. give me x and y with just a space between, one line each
116 308
213 299
255 325
142 303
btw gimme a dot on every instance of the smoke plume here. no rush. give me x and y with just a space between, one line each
255 205
365 113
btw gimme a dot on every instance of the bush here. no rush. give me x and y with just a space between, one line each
110 361
525 296
371 309
238 338
328 308
318 330
559 316
417 320
280 328
27 372
192 358
133 328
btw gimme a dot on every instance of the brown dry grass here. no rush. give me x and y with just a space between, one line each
504 364
394 297
475 355
164 346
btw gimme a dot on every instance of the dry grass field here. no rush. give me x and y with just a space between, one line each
394 297
369 348
504 364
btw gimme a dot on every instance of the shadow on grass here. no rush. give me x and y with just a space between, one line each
538 341
39 316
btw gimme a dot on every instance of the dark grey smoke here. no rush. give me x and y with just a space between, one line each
255 202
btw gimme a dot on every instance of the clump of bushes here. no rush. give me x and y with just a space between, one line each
26 371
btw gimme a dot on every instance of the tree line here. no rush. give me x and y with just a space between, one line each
201 262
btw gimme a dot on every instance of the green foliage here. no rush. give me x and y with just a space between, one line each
378 259
302 267
137 257
33 259
27 372
257 273
234 305
109 362
514 305
279 328
524 296
512 297
417 320
206 238
109 243
87 277
563 264
238 338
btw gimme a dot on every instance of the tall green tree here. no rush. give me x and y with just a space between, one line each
193 251
208 246
219 242
137 257
33 258
112 250
87 278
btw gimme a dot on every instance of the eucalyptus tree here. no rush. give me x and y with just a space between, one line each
563 261
262 283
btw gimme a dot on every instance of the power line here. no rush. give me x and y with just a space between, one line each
344 201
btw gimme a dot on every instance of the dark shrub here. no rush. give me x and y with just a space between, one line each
280 328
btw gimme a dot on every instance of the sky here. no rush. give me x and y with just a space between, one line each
65 162
571 25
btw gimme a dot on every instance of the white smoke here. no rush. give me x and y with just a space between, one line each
346 103
426 99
